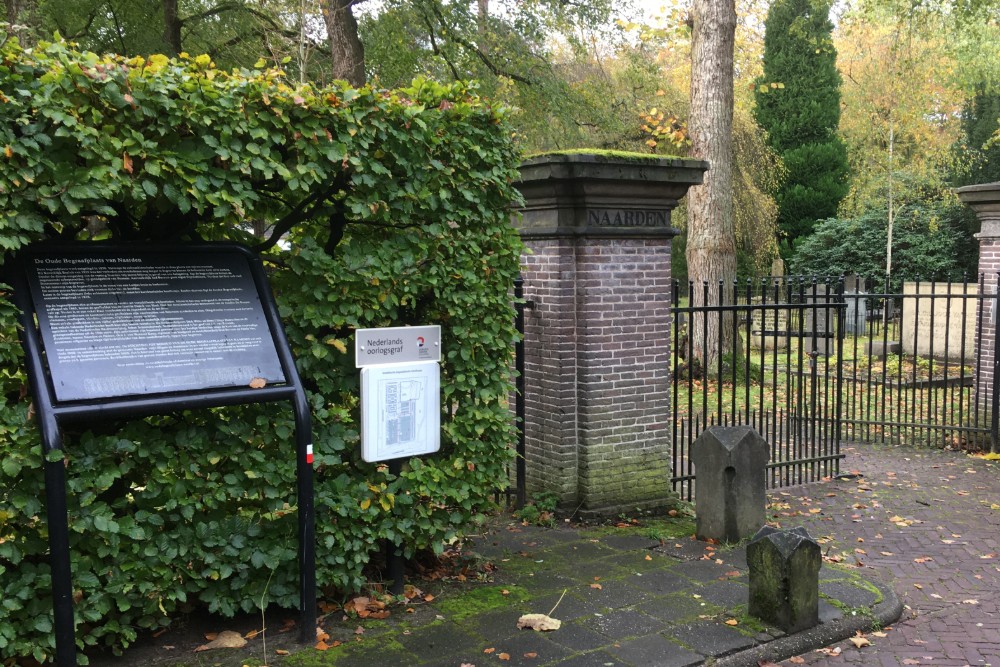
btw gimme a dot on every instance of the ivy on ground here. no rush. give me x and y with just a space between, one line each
371 207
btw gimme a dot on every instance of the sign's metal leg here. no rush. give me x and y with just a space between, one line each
59 559
307 520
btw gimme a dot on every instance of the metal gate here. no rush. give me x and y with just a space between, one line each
811 361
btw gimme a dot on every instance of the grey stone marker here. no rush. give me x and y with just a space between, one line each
856 317
730 464
784 578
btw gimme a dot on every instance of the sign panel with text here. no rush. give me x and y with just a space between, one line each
396 345
120 324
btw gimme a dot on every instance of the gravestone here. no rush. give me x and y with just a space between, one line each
856 315
768 325
730 464
784 578
815 321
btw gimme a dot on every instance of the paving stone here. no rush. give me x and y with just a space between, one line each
710 638
848 594
443 637
579 637
630 542
564 606
612 594
655 650
671 608
726 594
705 571
593 659
579 551
624 623
493 624
528 642
828 612
684 549
659 582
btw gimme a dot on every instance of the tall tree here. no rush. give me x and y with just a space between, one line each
711 249
979 150
346 49
233 32
798 103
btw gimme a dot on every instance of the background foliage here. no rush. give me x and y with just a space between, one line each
394 210
798 104
932 240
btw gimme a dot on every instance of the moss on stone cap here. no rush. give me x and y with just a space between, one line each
617 155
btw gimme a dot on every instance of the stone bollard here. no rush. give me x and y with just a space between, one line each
730 496
784 578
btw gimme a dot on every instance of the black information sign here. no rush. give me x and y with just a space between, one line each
113 331
149 322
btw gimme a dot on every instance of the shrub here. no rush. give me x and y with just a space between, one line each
392 209
930 241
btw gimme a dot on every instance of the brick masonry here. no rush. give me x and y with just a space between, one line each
597 271
597 412
985 201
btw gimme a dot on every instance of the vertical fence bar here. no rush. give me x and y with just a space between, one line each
520 465
994 394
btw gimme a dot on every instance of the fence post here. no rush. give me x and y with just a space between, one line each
520 465
984 199
597 231
995 395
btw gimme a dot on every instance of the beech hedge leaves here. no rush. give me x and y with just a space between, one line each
379 208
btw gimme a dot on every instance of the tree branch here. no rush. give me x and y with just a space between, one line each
486 60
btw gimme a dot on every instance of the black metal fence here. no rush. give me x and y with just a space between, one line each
810 362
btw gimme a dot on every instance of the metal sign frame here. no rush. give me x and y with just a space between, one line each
52 414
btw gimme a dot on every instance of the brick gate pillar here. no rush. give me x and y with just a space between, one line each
597 337
985 201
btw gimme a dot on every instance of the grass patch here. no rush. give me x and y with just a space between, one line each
481 600
655 529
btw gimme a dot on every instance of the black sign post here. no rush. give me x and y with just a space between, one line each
132 331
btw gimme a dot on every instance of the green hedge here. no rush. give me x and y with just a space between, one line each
394 210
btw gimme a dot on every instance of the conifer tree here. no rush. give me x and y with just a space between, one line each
798 103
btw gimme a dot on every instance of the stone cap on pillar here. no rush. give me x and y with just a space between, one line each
611 195
984 199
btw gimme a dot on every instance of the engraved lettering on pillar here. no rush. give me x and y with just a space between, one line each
627 218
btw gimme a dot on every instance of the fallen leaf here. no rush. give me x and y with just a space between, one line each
910 661
970 601
225 639
281 651
531 654
321 635
538 622
489 650
253 633
258 383
648 557
860 642
732 621
597 586
504 656
322 646
796 660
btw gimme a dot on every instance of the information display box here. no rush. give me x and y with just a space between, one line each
401 411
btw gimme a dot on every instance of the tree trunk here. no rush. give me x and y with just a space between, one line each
171 27
711 247
346 49
483 17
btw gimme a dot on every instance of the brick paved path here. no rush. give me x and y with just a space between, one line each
926 521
